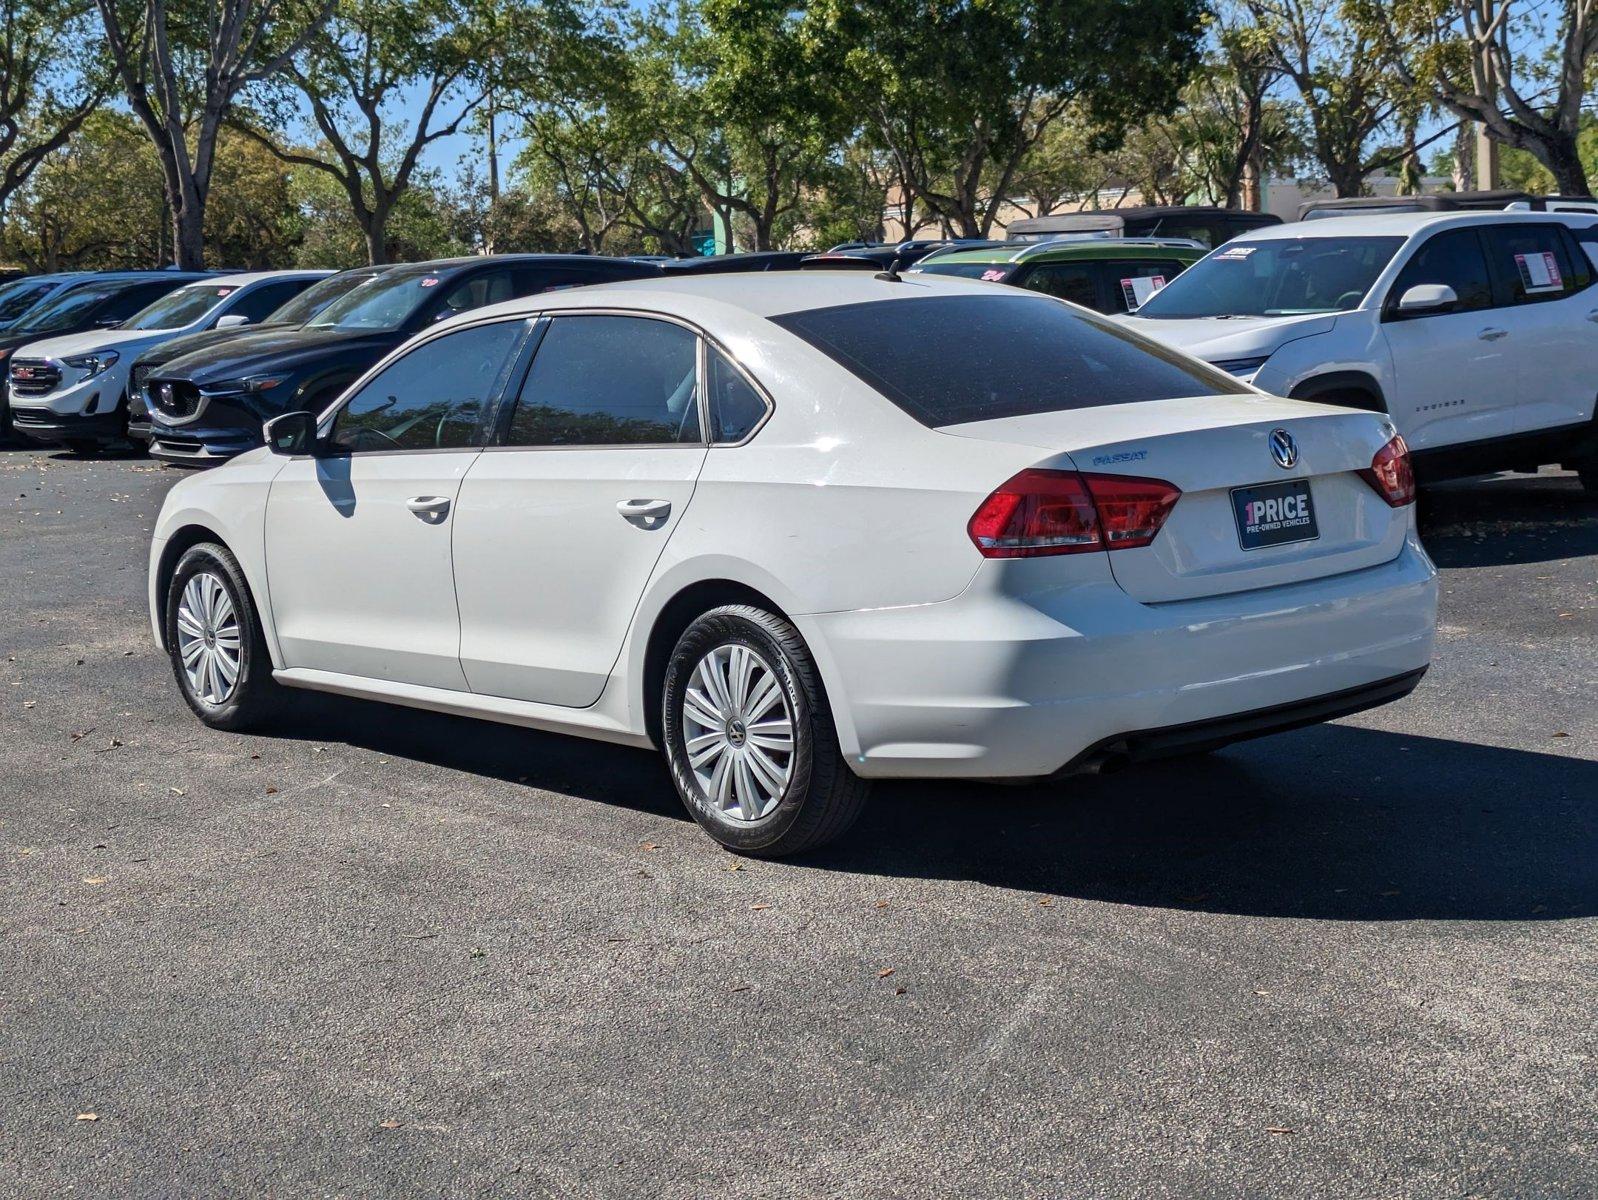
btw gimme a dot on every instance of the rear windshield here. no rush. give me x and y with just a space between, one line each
946 360
1276 278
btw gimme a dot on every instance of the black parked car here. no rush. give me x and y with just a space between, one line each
302 308
753 260
209 405
101 300
1204 224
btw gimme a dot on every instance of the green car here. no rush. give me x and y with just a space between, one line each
1111 275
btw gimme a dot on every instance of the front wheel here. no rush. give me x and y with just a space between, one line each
749 736
1587 472
214 639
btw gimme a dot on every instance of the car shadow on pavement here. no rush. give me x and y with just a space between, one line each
1508 519
1333 822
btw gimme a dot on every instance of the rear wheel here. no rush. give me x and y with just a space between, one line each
1587 472
214 639
749 736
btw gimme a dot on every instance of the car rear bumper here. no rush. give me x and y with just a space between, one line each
1004 682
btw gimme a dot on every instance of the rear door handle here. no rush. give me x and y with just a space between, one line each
644 511
1491 334
431 509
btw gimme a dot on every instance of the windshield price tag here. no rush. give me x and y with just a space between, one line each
1539 273
994 276
1235 253
1137 291
430 281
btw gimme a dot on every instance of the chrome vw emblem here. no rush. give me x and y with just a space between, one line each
1283 448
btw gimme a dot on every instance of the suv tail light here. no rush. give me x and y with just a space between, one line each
1065 512
1391 474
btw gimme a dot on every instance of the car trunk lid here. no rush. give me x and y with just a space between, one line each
1244 520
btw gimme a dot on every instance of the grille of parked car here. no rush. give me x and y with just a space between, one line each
33 377
177 399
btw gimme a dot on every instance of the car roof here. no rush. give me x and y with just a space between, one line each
439 265
1097 249
759 293
1404 224
244 278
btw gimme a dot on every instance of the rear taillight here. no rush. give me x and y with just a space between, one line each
1064 512
1391 475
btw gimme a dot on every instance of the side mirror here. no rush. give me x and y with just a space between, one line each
232 321
108 322
1427 298
292 433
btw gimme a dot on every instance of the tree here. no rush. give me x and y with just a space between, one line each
250 220
1470 56
354 74
181 65
99 206
960 91
44 95
1349 95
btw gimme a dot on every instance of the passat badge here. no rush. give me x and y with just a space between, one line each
1283 449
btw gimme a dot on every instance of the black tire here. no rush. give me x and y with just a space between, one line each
821 796
255 698
1587 472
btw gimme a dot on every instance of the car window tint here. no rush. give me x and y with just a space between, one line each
609 381
1066 281
254 306
122 306
949 359
1455 259
434 397
488 287
1132 283
735 407
1532 258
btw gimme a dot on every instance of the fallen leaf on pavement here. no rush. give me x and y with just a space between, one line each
94 880
391 1123
1277 1129
88 1116
885 972
758 907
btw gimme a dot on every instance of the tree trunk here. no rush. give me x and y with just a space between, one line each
188 231
1560 157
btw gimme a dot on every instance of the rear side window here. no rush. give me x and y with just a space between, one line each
949 359
1076 282
435 397
735 407
1532 261
1453 258
610 381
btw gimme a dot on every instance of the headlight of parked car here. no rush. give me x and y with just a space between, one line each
93 364
247 385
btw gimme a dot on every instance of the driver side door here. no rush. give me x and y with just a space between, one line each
358 536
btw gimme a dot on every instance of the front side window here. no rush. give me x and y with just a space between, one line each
1277 277
259 303
1454 259
610 381
476 291
1064 281
435 397
735 406
946 360
1532 258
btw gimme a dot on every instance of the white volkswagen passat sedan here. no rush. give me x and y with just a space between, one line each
802 531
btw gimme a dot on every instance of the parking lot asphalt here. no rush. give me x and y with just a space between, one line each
387 953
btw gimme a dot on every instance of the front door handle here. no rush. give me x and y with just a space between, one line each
1490 334
644 512
431 509
1593 315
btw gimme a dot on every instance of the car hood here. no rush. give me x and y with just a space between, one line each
123 341
272 349
1217 338
190 342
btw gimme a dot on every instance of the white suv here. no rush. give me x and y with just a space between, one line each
1474 331
73 389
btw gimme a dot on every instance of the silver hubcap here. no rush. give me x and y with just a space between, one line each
738 732
208 638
